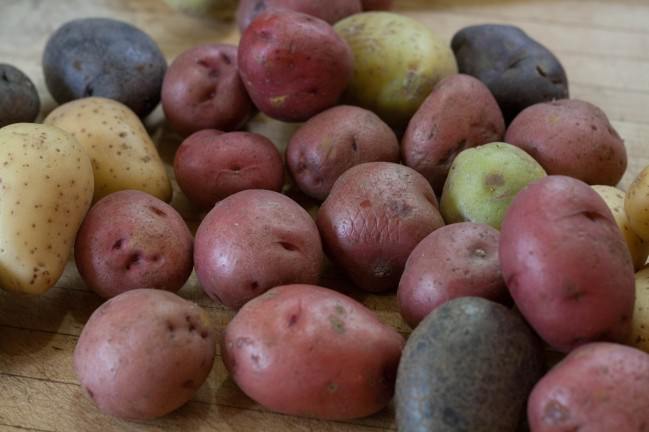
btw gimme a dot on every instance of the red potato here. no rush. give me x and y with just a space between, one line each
332 142
566 264
202 90
129 240
252 241
293 65
373 218
310 351
211 165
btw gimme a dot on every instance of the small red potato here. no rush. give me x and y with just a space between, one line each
599 387
130 239
332 142
566 264
144 353
211 165
310 351
253 241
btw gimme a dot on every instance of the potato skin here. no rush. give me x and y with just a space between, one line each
597 387
252 241
460 113
202 90
293 65
130 240
19 101
639 336
373 218
345 358
211 165
566 265
333 141
114 362
636 204
457 260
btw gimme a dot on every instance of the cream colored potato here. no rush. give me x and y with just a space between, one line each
47 186
122 153
639 336
614 198
636 204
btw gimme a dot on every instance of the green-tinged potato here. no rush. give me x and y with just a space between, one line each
639 336
144 353
483 181
636 204
220 9
566 264
469 366
310 351
47 183
397 62
122 153
599 387
19 101
614 198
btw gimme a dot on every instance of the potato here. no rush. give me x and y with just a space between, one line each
122 153
638 248
211 165
458 260
293 65
373 218
636 204
130 240
460 113
19 100
468 366
144 353
598 387
107 58
252 241
332 142
370 5
397 61
566 264
46 181
202 90
310 351
639 336
518 70
483 181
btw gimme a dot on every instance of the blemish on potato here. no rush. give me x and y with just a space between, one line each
337 324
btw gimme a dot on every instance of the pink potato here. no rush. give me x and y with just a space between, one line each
310 351
252 241
202 90
130 239
211 165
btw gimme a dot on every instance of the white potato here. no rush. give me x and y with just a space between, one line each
639 336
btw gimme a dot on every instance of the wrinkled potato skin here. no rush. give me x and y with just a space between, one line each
114 362
460 113
457 260
130 240
252 241
597 387
373 218
636 204
19 101
566 264
345 358
639 336
332 142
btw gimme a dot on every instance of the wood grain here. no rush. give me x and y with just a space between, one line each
603 45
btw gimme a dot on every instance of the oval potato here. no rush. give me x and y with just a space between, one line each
639 336
636 204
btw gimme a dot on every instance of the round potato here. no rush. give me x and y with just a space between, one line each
131 240
597 387
211 165
332 142
144 353
310 351
19 102
566 264
460 113
636 204
639 336
457 260
373 218
252 241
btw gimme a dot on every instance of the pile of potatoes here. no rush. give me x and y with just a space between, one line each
459 176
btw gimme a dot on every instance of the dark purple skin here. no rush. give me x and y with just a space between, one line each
19 102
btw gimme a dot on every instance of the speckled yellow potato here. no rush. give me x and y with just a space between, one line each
614 198
639 336
47 187
122 153
636 204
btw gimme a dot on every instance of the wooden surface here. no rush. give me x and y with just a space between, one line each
604 46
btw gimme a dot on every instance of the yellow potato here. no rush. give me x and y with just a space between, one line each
639 336
122 153
614 198
47 186
636 204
